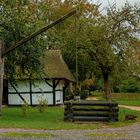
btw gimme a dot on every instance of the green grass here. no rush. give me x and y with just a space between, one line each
53 119
98 95
109 135
129 102
124 111
132 96
26 135
132 99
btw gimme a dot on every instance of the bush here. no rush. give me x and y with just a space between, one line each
83 94
25 109
43 103
130 85
69 96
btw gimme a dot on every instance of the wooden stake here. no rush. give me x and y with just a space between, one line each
1 75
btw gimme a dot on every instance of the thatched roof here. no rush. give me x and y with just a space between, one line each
55 66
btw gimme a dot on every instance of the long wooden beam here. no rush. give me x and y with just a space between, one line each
26 39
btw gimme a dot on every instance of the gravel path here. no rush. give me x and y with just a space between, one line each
121 133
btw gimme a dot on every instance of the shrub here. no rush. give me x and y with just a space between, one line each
130 85
43 103
84 94
25 109
69 95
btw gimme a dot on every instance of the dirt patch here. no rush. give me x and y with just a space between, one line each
137 108
92 98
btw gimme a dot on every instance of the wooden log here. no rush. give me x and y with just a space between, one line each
89 108
92 113
97 114
101 109
98 103
88 113
68 117
90 118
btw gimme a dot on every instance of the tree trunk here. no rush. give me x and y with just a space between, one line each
107 86
1 75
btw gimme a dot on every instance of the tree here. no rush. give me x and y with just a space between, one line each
20 67
74 35
130 85
18 20
104 42
111 38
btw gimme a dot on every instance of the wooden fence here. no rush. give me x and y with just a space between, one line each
90 111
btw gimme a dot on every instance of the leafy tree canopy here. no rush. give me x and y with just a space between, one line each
106 43
20 18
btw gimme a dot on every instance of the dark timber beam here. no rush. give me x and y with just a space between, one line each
57 83
18 93
31 99
54 96
48 82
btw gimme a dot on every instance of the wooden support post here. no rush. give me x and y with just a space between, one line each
1 75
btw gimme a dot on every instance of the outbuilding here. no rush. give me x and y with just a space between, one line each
51 86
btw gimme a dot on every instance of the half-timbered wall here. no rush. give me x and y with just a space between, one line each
32 91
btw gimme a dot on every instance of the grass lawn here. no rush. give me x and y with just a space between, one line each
129 102
132 99
127 98
53 119
25 135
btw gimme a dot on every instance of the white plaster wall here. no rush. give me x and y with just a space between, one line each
41 85
14 99
47 96
22 86
59 94
59 97
38 86
59 87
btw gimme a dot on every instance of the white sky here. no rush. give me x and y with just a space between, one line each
119 3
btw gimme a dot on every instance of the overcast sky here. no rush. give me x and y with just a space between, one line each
119 3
